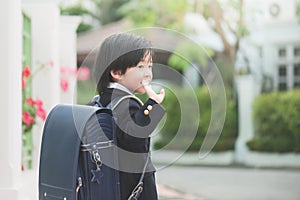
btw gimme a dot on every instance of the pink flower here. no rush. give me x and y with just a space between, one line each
51 63
83 73
26 72
38 103
40 112
67 70
30 101
27 119
23 84
64 84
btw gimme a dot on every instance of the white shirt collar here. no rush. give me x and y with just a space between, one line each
119 86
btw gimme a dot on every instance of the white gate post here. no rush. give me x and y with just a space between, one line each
45 18
68 56
247 91
11 99
45 50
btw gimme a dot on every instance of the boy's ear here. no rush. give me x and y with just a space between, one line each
117 75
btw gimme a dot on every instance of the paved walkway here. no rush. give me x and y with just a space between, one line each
229 183
167 193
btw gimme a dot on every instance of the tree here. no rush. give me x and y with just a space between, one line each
166 14
103 12
78 10
109 10
226 15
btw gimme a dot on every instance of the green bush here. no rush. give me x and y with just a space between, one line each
86 90
276 121
292 116
190 123
229 133
271 144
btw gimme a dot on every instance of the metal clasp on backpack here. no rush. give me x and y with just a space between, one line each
79 185
97 159
136 192
95 146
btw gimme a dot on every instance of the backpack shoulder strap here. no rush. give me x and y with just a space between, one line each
117 101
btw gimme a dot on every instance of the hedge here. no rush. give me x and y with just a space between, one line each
188 123
276 122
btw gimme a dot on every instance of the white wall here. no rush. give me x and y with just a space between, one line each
10 101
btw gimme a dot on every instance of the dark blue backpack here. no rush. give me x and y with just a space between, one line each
79 158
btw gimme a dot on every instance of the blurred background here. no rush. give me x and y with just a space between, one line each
48 51
254 44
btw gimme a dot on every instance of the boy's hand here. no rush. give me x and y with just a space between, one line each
151 94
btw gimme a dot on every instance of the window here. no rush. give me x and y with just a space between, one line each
287 75
282 52
282 70
282 86
282 77
297 75
297 69
297 84
297 52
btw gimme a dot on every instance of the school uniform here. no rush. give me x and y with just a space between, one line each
134 124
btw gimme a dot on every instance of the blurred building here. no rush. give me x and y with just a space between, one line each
268 60
271 52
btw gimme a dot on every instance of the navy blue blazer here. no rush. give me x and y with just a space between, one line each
134 125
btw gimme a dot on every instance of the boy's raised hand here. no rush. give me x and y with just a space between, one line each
153 95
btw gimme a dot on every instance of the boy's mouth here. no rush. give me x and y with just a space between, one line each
145 82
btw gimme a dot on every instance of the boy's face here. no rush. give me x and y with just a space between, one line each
134 76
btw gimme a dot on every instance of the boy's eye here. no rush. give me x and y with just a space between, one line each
144 66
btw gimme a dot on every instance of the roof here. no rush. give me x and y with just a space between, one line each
89 40
161 38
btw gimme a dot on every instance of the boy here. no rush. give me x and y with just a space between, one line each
124 67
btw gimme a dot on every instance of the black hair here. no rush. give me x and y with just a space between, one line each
119 52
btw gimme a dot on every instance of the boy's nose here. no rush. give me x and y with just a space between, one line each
148 71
